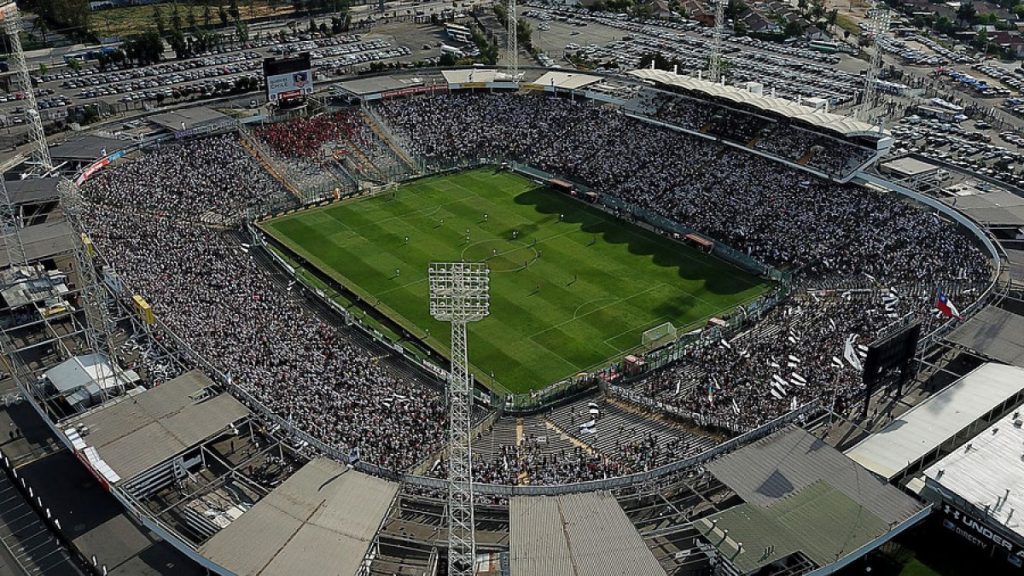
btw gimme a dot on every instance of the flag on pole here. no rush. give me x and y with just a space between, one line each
945 305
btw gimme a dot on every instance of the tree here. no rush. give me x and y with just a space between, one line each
966 13
832 17
75 64
175 18
233 10
43 68
223 16
944 25
207 16
191 18
242 31
524 34
794 29
158 16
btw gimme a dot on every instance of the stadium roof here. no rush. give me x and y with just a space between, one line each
567 80
375 84
41 241
928 425
466 75
909 167
995 333
1016 267
188 118
86 148
321 521
32 190
998 207
843 125
143 430
988 472
583 534
800 496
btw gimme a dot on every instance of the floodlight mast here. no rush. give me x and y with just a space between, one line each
10 22
459 295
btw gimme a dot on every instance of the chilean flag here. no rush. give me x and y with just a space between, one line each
945 305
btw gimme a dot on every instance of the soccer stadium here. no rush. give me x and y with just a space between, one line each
454 322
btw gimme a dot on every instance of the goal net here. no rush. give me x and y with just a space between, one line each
659 335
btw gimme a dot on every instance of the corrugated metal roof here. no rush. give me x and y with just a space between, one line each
141 431
818 520
989 474
994 332
782 464
467 75
566 80
927 425
577 534
826 120
41 241
320 521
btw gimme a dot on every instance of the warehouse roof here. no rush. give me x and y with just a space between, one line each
141 431
928 425
323 519
838 123
988 472
995 333
584 534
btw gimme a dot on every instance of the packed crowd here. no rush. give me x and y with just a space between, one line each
147 217
208 290
790 142
828 235
340 140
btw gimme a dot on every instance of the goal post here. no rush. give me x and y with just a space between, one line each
661 334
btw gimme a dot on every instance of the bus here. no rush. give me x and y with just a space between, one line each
824 46
458 33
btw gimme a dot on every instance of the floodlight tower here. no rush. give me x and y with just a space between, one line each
459 295
715 62
11 23
879 26
10 225
512 42
94 297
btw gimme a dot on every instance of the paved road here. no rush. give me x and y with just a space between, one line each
24 535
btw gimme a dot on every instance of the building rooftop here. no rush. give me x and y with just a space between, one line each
931 423
323 519
988 472
994 333
188 118
137 432
86 148
803 499
583 534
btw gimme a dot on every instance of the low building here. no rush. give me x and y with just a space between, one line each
979 490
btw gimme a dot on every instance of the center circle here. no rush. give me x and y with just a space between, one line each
500 255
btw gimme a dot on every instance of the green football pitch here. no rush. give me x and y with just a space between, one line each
571 286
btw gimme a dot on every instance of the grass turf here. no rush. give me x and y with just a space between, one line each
592 286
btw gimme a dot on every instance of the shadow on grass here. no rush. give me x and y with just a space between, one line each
719 277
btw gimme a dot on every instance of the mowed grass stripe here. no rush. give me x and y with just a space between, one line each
594 285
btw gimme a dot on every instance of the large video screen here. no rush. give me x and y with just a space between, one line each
288 78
